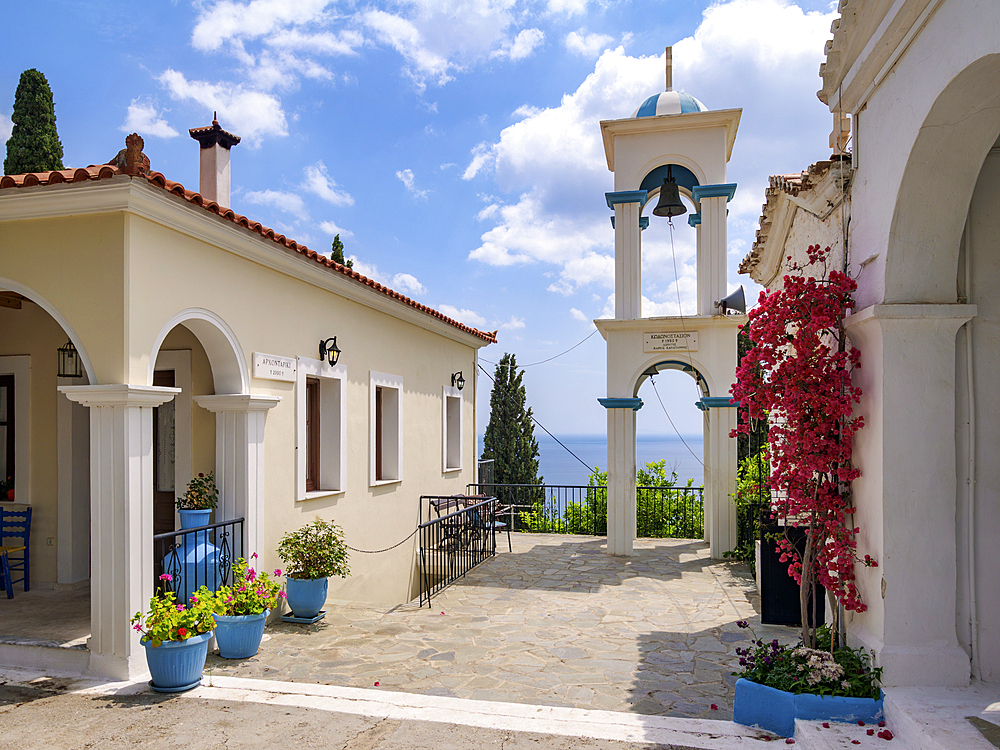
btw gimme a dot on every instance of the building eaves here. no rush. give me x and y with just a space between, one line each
107 171
783 185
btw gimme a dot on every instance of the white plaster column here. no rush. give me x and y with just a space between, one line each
621 473
627 206
239 459
906 495
720 476
712 244
121 519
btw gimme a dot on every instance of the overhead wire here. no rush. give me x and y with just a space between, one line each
532 364
535 420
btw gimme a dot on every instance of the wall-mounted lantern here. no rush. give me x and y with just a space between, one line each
328 350
457 381
69 365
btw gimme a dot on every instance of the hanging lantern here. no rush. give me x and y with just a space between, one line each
69 365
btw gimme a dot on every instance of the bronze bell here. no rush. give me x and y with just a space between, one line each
669 204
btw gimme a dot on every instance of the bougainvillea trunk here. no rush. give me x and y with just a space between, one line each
797 376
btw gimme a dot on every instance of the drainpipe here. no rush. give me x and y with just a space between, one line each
971 483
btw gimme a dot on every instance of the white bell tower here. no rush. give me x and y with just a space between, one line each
671 133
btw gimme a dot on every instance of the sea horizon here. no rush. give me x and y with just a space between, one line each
557 466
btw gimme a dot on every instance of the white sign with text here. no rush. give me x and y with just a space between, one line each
673 341
273 367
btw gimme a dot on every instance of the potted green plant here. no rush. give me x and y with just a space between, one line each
197 556
241 610
311 555
176 637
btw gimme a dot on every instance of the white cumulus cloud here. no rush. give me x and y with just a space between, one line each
6 127
144 119
331 229
578 314
406 177
587 45
469 317
288 202
521 46
319 183
250 114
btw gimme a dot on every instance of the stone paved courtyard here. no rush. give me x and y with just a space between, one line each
556 622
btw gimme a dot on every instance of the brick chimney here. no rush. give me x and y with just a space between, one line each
215 144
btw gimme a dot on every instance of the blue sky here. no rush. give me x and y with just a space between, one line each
454 144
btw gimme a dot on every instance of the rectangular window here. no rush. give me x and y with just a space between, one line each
6 428
320 427
386 446
312 434
452 429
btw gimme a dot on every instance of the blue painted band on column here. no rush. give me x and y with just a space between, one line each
718 402
727 189
643 222
626 196
621 403
701 406
694 220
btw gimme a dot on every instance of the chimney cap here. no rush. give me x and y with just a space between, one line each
214 134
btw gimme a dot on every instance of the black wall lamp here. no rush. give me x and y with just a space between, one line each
328 350
457 381
69 365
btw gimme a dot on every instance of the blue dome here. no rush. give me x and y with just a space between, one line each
669 103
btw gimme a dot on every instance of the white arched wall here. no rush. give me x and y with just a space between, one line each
937 185
913 495
229 365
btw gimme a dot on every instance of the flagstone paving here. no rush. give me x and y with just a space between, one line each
556 622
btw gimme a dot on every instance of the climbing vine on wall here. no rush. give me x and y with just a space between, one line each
798 377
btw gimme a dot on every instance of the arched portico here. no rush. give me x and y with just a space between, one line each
922 508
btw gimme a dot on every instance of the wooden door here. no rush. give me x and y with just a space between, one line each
164 492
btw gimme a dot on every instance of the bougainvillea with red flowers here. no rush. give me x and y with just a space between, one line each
797 376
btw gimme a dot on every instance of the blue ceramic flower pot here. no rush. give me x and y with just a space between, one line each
306 596
239 636
195 562
176 666
775 710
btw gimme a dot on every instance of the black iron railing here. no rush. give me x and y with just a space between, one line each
661 512
201 556
670 512
456 541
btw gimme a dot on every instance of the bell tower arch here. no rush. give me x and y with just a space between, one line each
671 145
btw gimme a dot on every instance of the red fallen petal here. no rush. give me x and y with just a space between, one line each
714 707
860 723
376 684
826 725
881 723
855 742
871 732
789 741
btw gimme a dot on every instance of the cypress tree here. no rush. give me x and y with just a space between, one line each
338 252
510 439
34 143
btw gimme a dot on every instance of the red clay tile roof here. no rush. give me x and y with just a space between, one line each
106 171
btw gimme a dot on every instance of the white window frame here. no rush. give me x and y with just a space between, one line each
392 440
451 432
332 427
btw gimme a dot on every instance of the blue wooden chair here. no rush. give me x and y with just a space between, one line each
15 551
489 523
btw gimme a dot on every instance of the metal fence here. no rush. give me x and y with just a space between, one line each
454 543
200 556
675 512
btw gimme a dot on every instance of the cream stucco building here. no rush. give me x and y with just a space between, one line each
196 320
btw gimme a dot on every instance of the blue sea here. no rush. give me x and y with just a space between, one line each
559 466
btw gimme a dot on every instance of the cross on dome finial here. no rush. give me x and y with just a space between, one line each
670 68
